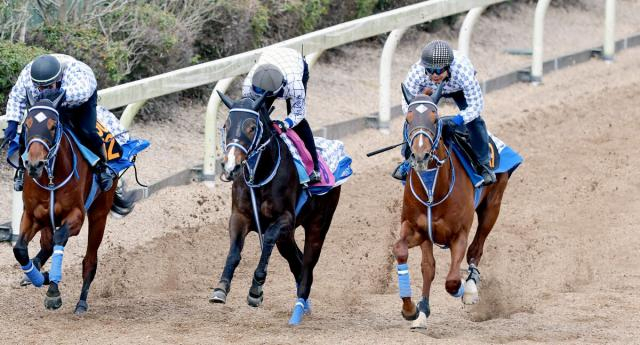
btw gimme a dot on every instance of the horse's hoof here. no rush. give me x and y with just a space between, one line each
420 323
218 296
81 308
470 295
25 282
53 303
254 301
410 317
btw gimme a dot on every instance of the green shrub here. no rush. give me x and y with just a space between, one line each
107 59
13 58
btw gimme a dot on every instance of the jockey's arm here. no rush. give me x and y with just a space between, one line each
298 108
79 83
472 94
17 103
415 82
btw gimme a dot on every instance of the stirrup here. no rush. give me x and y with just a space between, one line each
488 177
18 180
401 171
314 177
105 176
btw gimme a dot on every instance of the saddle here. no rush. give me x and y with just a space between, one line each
459 136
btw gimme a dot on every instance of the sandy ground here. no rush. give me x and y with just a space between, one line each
560 266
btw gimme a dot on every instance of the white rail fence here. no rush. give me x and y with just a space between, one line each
223 71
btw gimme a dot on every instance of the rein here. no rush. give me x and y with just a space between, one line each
52 154
435 140
251 163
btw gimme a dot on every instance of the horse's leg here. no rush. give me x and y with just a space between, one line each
289 250
97 222
70 227
488 212
284 223
238 229
428 267
28 229
401 252
453 284
46 249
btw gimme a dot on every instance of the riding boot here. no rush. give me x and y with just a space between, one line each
104 172
479 139
18 178
304 132
401 171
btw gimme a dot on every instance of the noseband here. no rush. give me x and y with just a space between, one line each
430 175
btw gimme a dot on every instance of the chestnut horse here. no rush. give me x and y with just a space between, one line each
264 194
55 203
438 208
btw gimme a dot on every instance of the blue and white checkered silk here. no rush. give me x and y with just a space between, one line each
463 77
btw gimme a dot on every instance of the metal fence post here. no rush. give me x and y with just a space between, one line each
385 78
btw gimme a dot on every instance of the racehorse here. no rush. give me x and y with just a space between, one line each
265 190
55 203
438 208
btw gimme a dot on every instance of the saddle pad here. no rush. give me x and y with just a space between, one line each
509 162
335 164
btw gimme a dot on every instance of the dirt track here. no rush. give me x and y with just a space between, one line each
561 265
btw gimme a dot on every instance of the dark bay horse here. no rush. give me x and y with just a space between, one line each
438 208
264 194
56 202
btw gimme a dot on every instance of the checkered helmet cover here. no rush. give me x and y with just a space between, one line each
437 54
268 77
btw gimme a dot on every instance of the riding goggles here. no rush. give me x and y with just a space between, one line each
437 71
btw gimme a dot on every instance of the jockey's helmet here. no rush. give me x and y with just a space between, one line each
45 70
267 78
437 55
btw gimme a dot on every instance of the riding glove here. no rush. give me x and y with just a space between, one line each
281 125
9 132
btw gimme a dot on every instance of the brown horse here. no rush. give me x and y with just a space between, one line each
264 196
55 203
438 208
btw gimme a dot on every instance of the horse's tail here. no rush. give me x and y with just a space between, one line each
123 202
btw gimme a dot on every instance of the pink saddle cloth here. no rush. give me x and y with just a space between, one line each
326 175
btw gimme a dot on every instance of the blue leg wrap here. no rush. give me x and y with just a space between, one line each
460 291
55 274
33 274
298 312
404 281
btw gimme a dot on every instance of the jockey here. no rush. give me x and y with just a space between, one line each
49 74
283 73
440 64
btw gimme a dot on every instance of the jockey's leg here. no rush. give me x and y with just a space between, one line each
480 144
401 171
304 131
18 178
84 121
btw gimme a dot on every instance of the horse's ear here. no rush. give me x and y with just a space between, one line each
258 103
407 95
57 100
225 99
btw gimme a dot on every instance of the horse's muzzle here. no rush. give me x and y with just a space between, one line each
230 175
34 169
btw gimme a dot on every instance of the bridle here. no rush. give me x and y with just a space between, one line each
430 175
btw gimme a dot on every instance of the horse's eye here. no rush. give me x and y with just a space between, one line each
249 126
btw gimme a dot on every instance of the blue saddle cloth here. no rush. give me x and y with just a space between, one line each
509 162
129 150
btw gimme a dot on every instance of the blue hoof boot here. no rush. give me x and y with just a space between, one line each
298 312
